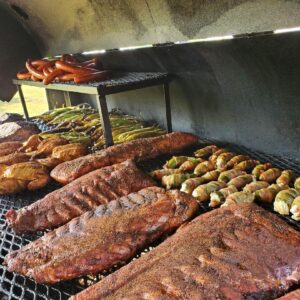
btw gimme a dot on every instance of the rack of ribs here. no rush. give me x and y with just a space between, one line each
103 237
87 192
235 252
141 149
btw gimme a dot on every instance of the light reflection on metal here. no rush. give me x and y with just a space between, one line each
135 47
284 30
209 39
94 52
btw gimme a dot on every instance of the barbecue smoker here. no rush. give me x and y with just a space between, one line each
230 75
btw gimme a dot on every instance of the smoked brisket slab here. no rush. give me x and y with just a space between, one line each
14 158
235 252
9 147
98 187
103 237
17 131
141 149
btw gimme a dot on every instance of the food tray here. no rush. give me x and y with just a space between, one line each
14 286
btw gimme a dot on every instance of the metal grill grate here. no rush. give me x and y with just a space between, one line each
13 286
119 79
43 126
277 161
118 82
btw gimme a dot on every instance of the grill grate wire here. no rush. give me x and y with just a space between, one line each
118 82
15 287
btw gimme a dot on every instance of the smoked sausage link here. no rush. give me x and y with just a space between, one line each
74 69
31 69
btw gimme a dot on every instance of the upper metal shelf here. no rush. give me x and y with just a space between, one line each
119 82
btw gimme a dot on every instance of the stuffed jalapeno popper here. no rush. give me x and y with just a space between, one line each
202 192
206 151
267 195
190 184
283 201
217 198
239 197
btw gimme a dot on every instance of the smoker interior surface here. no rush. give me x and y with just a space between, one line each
14 286
242 88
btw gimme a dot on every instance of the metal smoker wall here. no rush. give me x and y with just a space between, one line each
244 91
16 45
81 25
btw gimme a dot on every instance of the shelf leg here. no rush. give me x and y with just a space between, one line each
168 107
23 101
103 111
67 99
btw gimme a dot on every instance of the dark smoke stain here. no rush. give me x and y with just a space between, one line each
189 16
80 13
123 8
42 37
31 20
74 33
20 11
150 12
